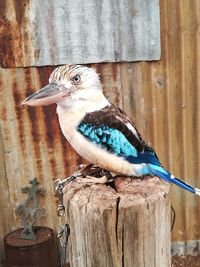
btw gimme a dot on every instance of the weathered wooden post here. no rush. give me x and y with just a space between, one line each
124 226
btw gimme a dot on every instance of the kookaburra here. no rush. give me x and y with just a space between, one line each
98 131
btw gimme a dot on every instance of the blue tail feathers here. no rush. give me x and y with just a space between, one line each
165 175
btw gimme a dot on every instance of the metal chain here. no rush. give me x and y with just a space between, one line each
64 230
63 235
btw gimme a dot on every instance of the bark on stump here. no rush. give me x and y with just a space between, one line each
125 226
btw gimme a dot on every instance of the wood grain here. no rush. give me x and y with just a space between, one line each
128 225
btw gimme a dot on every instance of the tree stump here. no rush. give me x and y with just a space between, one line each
123 225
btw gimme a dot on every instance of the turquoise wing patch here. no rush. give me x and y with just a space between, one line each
109 139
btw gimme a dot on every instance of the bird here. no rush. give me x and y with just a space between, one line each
98 130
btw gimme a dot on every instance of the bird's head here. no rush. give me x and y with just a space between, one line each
69 82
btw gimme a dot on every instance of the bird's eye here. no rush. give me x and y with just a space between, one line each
76 79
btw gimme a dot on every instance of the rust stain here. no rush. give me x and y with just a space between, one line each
13 49
53 167
116 96
19 111
4 114
65 151
3 6
6 42
99 69
51 124
33 119
114 72
20 9
9 42
44 73
28 82
96 66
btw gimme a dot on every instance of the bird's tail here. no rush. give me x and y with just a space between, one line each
165 175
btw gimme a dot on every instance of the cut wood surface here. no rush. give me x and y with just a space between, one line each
123 225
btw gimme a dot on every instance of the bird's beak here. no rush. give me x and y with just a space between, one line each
51 93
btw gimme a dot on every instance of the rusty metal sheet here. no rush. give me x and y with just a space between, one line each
32 144
38 33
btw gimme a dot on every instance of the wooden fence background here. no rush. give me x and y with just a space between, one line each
163 97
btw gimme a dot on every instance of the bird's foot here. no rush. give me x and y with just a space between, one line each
94 180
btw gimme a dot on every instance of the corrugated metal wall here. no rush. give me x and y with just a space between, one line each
163 97
55 32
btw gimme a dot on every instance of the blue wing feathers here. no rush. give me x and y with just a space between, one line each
144 157
116 142
110 139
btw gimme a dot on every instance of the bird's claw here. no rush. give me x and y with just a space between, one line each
94 180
